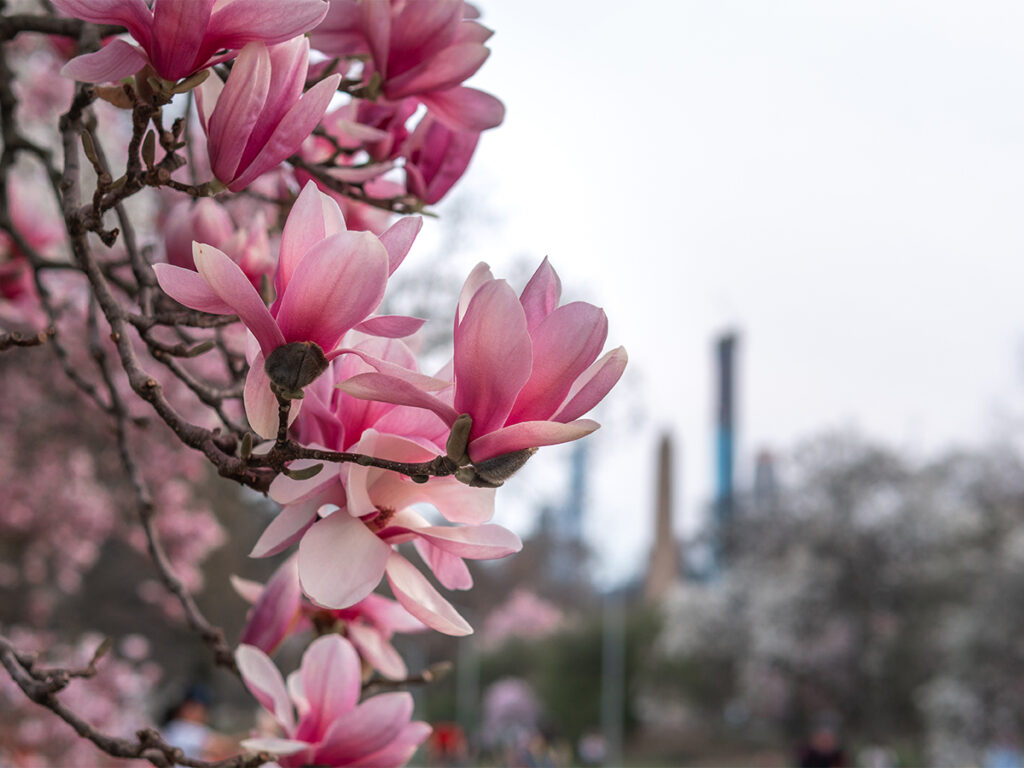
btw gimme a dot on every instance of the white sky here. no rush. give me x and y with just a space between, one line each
841 181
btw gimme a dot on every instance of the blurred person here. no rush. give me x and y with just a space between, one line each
592 748
448 745
822 750
186 727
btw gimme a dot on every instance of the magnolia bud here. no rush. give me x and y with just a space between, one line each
500 468
291 367
455 449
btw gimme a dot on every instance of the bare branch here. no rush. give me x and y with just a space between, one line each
42 686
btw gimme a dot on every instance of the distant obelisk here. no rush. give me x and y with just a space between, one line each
663 569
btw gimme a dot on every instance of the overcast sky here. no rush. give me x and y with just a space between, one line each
842 182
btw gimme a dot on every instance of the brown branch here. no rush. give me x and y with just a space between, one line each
431 674
15 24
42 686
14 339
402 204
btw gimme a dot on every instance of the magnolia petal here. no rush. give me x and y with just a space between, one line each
398 239
275 611
111 63
465 109
419 598
289 63
376 27
528 434
442 72
565 344
229 282
457 151
178 32
480 276
132 14
471 31
338 283
449 569
390 389
389 615
294 128
187 287
477 542
265 683
541 294
236 23
394 363
356 479
340 561
247 589
391 326
314 217
358 174
591 387
238 110
207 95
493 356
399 751
285 529
373 647
458 502
368 728
420 30
331 682
415 181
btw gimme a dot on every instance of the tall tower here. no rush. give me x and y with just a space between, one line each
725 443
766 491
663 569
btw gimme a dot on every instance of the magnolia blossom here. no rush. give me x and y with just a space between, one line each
328 280
437 156
260 116
279 611
348 532
207 221
348 519
421 48
181 37
525 369
318 711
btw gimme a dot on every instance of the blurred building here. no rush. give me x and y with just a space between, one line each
663 566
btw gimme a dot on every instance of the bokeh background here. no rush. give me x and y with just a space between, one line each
802 523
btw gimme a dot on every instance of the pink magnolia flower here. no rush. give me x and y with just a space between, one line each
279 611
260 116
328 280
207 221
525 369
348 518
421 48
349 523
437 156
181 37
318 711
